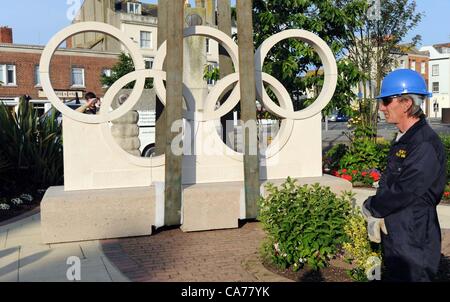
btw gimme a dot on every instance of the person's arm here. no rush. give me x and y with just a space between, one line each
82 108
418 174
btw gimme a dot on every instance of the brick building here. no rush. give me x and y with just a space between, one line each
72 71
410 57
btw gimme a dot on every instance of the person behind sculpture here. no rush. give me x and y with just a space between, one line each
411 187
92 105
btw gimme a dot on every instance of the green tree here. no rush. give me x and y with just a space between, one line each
123 67
374 41
295 63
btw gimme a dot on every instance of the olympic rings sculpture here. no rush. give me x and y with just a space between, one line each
210 113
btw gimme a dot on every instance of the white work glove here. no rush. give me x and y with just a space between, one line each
374 226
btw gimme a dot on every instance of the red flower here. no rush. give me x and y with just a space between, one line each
364 174
354 172
336 173
446 194
344 171
375 176
347 177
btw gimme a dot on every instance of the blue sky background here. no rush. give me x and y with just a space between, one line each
34 22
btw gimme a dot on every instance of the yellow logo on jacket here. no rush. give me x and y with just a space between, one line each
401 153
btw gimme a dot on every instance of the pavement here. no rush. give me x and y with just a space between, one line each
167 255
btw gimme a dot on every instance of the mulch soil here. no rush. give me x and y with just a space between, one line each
17 211
339 274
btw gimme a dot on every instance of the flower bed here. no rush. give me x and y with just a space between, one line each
18 204
365 178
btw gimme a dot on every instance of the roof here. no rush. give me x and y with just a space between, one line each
410 49
147 9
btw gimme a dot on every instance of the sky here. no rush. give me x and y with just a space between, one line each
34 23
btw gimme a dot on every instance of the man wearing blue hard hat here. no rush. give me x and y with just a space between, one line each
402 215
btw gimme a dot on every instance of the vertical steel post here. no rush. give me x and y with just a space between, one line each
160 128
174 107
248 105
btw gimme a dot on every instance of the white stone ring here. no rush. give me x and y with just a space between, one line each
329 65
77 28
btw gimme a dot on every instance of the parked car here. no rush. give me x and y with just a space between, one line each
338 117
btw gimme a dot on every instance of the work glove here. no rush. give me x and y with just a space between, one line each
374 226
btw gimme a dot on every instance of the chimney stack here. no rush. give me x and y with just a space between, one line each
6 35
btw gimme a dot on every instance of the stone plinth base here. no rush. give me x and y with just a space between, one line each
211 206
113 213
221 205
96 214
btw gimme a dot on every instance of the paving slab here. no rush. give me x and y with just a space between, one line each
3 238
9 264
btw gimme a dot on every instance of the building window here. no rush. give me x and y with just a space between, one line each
134 8
435 70
435 87
8 75
413 65
423 67
78 77
208 46
402 63
148 63
146 39
37 76
106 72
212 70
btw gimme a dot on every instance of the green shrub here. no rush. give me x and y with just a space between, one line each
304 224
32 147
357 248
332 158
365 154
446 141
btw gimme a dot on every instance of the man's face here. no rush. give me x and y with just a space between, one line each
394 110
91 102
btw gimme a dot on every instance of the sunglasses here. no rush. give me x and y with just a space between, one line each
388 100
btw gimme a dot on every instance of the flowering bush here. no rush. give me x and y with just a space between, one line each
358 248
4 206
304 224
359 178
16 201
446 195
26 197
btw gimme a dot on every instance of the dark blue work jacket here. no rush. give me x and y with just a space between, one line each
410 189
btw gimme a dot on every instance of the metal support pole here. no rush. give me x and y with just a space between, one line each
160 129
174 107
248 105
225 62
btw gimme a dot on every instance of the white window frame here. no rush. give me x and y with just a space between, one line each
413 65
149 61
208 46
423 68
435 70
150 40
134 8
210 67
433 86
106 72
37 76
82 76
4 78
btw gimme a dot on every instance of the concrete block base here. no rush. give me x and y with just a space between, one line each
96 214
221 205
114 213
211 206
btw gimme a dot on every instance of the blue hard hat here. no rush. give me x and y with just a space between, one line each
403 81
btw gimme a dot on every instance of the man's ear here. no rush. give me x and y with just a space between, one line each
407 104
